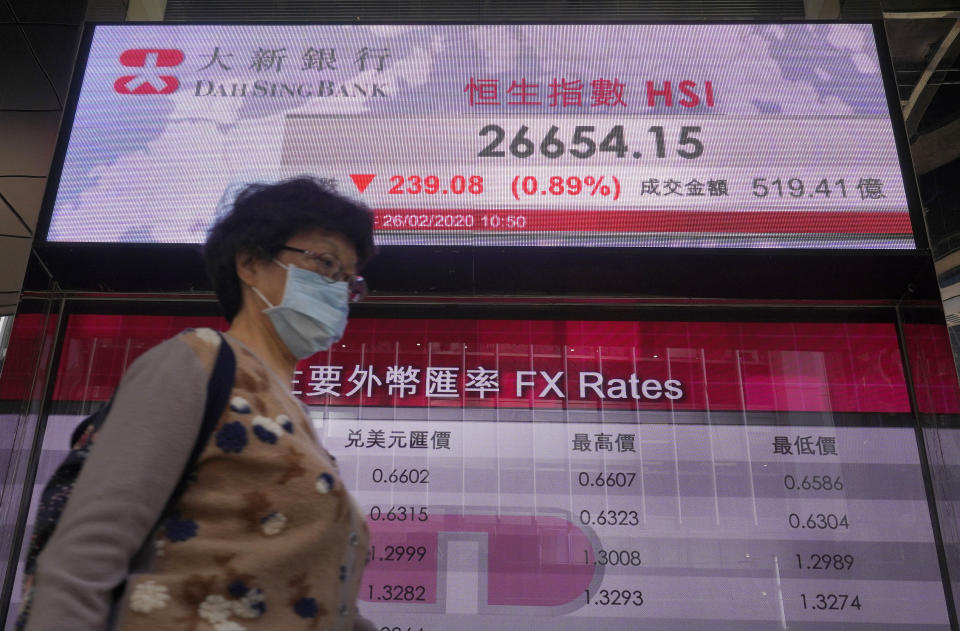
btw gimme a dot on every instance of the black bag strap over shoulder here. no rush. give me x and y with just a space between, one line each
218 395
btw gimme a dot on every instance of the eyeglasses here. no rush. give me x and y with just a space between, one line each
331 269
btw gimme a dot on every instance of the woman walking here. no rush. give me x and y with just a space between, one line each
265 536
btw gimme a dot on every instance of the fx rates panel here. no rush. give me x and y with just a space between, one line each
558 474
522 524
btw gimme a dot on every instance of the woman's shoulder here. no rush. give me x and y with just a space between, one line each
204 342
190 345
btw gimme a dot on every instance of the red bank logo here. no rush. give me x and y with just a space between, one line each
150 81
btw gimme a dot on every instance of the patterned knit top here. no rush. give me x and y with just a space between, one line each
265 537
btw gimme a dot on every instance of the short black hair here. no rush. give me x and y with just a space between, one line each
262 219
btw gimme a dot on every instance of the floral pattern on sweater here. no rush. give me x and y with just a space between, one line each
266 536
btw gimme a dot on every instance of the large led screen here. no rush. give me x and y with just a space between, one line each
609 476
736 135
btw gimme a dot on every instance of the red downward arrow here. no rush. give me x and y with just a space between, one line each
362 180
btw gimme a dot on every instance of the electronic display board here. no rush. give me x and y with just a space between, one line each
522 474
636 135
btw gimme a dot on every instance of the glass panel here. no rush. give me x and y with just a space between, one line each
6 328
938 402
695 475
23 383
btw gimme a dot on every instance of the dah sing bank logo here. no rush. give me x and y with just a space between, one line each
149 80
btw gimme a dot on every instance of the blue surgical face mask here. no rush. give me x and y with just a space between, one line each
313 313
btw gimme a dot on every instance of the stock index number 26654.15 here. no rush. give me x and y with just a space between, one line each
585 141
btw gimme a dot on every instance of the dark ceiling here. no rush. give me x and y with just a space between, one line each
487 10
913 44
